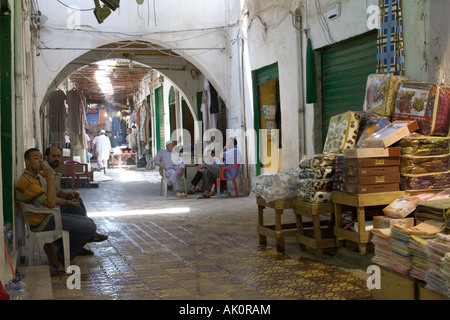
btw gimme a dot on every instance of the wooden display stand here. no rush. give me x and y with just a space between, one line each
278 231
313 211
360 202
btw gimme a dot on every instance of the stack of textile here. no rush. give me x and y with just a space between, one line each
436 207
381 240
419 259
400 257
406 247
438 265
445 271
315 180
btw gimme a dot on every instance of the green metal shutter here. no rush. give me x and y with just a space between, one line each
345 68
7 114
159 108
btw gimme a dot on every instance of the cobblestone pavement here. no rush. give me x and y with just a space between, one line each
172 249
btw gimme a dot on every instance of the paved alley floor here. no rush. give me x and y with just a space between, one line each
172 249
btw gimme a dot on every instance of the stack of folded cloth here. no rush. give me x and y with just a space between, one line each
315 180
436 207
445 271
419 259
437 276
400 257
406 252
381 240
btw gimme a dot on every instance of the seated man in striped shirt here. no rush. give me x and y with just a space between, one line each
29 189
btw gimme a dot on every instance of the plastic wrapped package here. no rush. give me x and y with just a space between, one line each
421 165
435 207
338 185
405 205
427 103
426 181
372 127
317 161
314 185
314 197
421 145
381 93
342 133
437 112
339 174
281 185
262 182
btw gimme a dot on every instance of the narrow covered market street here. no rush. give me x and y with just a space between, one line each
173 249
247 153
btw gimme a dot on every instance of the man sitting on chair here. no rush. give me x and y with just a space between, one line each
52 157
231 156
29 189
174 171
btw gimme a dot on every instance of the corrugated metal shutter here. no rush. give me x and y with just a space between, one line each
345 68
159 108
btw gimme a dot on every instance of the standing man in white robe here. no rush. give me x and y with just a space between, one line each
103 148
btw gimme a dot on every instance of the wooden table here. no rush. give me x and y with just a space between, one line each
321 237
360 202
278 231
120 160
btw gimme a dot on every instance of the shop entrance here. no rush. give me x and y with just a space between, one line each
267 119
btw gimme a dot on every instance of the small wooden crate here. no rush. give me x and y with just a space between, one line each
278 231
360 202
313 211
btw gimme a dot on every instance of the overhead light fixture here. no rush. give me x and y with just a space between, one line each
112 4
101 13
139 2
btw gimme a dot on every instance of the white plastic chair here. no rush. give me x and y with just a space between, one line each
58 232
163 190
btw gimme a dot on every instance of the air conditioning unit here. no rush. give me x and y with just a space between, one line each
112 4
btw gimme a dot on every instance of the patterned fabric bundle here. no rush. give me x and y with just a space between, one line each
420 145
319 161
281 185
342 133
427 181
426 164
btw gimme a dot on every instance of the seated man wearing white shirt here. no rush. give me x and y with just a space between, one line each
174 171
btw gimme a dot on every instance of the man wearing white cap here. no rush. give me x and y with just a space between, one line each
165 160
103 147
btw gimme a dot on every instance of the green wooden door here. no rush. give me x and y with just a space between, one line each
159 112
345 68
